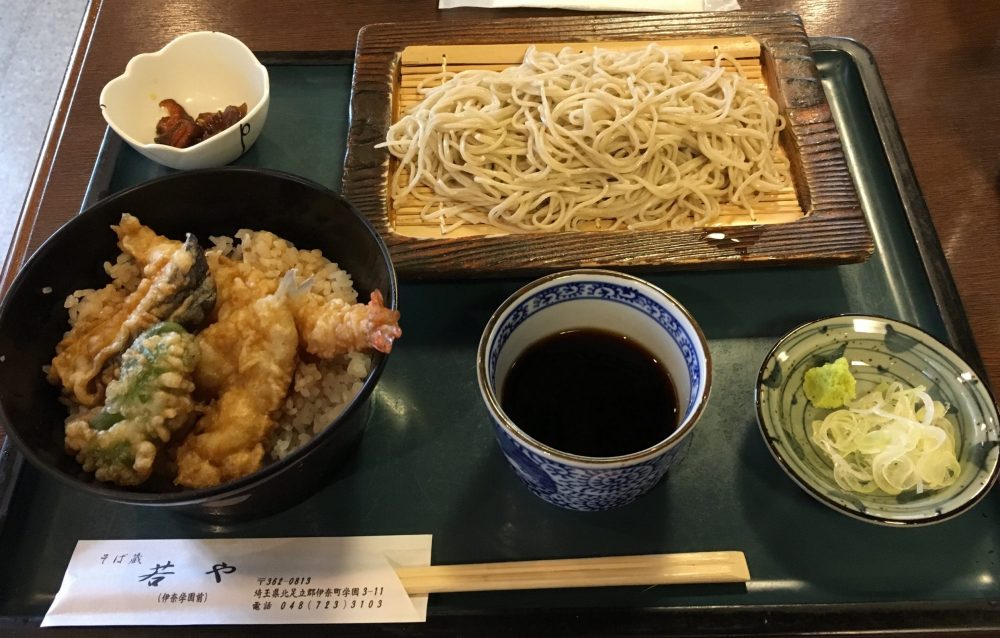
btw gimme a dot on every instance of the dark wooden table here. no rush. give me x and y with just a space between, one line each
940 62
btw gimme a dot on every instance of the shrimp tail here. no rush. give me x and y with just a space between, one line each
384 323
332 328
288 288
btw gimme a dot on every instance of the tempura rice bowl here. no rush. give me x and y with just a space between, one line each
324 408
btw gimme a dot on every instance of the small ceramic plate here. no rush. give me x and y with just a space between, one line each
878 349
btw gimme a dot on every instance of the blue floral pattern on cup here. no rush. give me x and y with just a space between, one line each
584 489
580 483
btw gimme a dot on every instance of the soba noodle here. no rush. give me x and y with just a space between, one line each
573 141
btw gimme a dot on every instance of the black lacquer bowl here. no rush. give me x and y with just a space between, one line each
207 202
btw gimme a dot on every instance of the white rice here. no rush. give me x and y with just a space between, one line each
319 393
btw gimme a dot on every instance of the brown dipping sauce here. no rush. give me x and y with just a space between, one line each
592 393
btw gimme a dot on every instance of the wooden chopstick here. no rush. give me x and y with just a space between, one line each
653 569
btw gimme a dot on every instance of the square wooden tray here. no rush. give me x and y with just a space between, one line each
818 221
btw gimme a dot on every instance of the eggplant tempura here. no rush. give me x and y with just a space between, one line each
175 285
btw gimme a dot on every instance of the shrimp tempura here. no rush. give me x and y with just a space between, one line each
248 358
331 328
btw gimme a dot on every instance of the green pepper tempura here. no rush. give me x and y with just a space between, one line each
149 401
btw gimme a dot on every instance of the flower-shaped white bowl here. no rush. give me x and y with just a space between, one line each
201 71
878 349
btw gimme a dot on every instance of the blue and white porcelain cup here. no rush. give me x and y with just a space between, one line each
603 300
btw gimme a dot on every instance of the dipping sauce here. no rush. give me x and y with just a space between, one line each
592 393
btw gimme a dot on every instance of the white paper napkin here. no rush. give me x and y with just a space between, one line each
240 581
655 6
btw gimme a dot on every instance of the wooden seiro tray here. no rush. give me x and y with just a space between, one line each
817 220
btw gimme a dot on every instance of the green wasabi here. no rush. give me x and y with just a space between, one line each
830 386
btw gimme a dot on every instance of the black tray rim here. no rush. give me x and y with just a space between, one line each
918 215
910 618
951 618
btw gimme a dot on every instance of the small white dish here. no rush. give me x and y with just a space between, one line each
201 71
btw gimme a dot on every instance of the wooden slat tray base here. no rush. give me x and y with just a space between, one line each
817 220
418 69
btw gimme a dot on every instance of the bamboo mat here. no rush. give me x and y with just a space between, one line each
418 63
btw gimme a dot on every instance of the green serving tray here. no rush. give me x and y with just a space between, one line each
428 462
